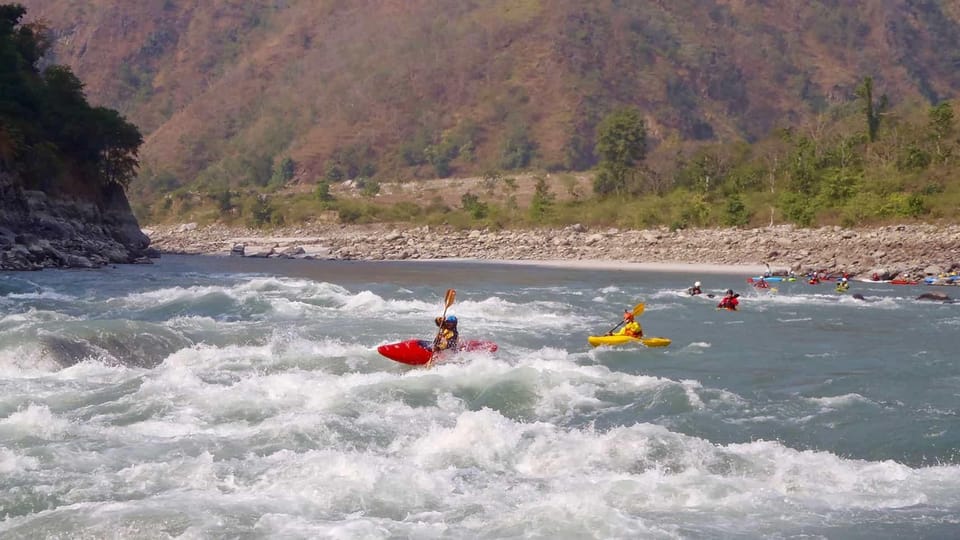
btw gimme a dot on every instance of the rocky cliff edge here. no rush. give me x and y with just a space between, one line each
43 231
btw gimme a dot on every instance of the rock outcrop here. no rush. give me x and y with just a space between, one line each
41 231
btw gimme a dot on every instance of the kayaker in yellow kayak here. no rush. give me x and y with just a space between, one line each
631 327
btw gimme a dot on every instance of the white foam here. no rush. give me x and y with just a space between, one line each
836 402
26 360
11 462
33 421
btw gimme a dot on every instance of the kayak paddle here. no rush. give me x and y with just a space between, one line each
637 311
447 302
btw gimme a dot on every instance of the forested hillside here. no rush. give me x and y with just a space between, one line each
272 95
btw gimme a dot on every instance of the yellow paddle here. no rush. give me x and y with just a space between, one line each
447 302
637 311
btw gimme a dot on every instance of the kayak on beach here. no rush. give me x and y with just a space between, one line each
942 280
418 352
611 341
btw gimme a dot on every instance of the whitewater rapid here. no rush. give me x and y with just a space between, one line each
185 403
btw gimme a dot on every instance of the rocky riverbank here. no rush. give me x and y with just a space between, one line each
38 231
888 251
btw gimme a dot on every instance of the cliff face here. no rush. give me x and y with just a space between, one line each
50 231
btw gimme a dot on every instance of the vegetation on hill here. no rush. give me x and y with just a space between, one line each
737 112
50 137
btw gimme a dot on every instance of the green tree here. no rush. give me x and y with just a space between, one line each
283 172
518 148
322 193
472 204
872 111
621 144
542 202
736 212
941 126
49 134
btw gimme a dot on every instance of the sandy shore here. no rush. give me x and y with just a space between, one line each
917 249
598 264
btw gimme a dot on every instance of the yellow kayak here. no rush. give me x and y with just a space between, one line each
597 341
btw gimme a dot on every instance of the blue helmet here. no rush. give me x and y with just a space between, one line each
452 319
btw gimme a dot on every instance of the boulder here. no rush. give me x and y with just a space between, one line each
935 297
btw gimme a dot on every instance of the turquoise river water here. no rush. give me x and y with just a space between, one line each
210 397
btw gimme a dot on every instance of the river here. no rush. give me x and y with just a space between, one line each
212 397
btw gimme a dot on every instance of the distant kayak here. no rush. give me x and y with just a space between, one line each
942 280
597 341
903 282
771 279
417 352
868 280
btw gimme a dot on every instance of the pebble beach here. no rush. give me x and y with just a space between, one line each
888 251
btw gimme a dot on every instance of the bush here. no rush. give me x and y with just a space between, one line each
472 204
322 191
542 202
797 208
260 212
518 148
736 214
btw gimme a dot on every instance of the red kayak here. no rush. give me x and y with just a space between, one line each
416 352
904 282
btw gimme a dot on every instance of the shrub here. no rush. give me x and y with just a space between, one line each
797 208
322 191
472 204
736 214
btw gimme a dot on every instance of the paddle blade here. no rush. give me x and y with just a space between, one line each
638 309
449 297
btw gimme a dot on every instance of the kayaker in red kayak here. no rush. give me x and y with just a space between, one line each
631 327
449 336
729 301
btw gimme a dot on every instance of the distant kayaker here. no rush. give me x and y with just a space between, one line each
695 290
843 286
761 284
449 336
729 301
631 327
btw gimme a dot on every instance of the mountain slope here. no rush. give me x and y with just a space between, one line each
225 90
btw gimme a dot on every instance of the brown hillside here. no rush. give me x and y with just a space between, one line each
224 90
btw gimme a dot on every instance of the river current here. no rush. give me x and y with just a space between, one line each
206 397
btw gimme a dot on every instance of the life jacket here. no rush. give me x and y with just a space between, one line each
448 339
728 302
631 329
